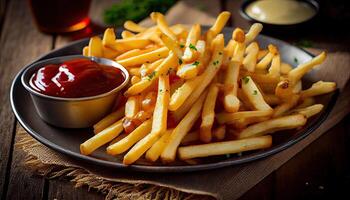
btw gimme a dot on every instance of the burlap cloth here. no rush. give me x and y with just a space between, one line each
224 183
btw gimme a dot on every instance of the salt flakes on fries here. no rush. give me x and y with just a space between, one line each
182 77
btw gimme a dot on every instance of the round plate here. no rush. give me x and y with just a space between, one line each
67 141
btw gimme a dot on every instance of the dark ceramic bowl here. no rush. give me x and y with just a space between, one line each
67 141
280 28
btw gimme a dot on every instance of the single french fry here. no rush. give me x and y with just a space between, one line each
86 51
219 24
286 106
145 58
262 54
250 60
157 148
253 94
284 89
222 148
127 34
273 125
95 47
172 45
272 99
132 106
319 88
261 78
229 118
135 79
245 122
145 82
306 102
188 71
208 114
228 53
220 132
309 111
231 102
109 120
132 26
159 123
135 52
147 69
254 31
109 53
190 137
189 54
169 153
132 138
207 76
275 68
295 74
108 37
134 71
123 45
117 139
285 68
163 25
101 138
264 62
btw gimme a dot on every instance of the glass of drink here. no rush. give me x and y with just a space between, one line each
60 16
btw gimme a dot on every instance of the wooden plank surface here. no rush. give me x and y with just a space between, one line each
20 43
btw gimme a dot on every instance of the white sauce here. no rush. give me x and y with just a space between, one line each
280 11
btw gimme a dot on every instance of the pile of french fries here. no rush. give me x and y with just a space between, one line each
191 96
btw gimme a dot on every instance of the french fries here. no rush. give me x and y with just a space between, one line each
273 125
157 148
222 148
208 114
191 96
109 119
207 76
318 88
169 153
132 138
159 123
101 138
309 111
253 93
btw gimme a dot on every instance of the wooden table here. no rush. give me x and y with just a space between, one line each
316 172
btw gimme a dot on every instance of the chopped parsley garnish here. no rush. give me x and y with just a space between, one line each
151 75
196 63
255 92
182 45
216 62
193 47
296 60
245 79
180 61
160 90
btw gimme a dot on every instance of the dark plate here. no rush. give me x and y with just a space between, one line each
67 141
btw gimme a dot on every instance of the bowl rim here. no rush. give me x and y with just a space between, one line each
244 5
115 64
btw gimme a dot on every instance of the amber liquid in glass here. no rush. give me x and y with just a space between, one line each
60 16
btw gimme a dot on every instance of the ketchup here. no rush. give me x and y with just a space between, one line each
76 78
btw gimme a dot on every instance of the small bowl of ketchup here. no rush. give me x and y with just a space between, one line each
74 91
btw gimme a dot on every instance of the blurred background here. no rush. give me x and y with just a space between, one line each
83 18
